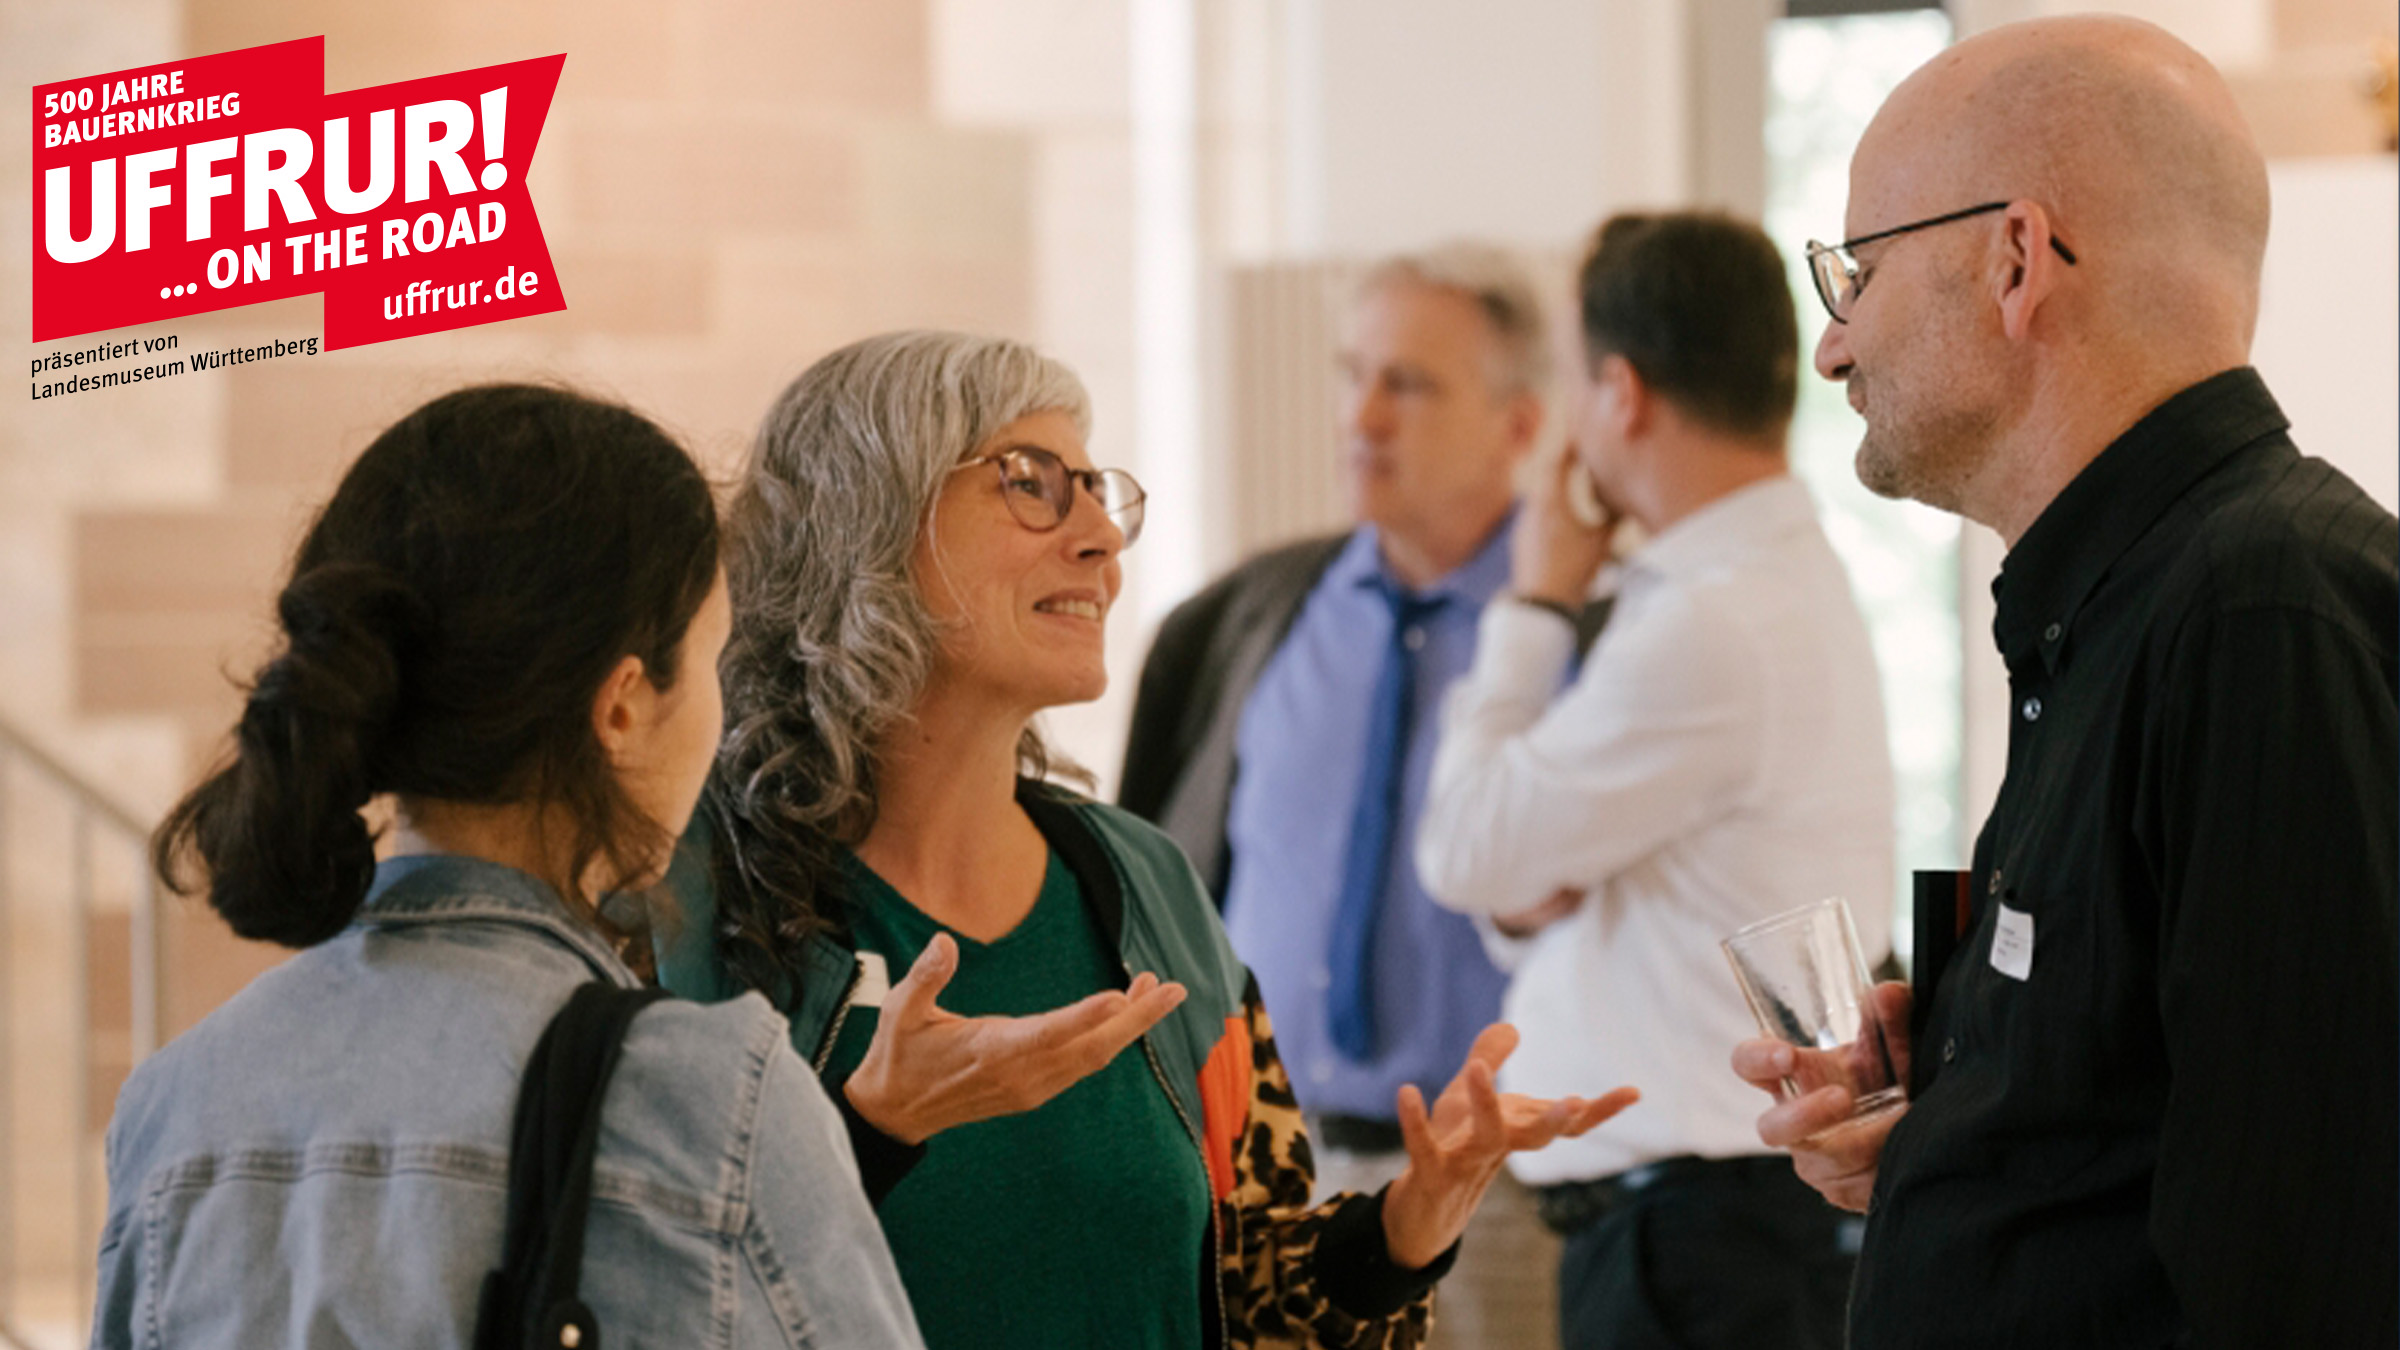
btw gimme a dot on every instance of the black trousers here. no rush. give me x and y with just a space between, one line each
1739 1258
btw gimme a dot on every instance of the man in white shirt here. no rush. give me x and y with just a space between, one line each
1719 758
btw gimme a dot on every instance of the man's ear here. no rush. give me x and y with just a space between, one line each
1526 413
1628 398
624 708
2025 268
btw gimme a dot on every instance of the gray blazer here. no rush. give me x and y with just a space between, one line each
1179 760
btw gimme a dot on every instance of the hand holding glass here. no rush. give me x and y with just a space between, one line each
1807 984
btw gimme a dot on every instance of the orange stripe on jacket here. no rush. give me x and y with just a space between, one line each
1225 1102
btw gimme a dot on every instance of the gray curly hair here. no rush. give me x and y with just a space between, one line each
832 643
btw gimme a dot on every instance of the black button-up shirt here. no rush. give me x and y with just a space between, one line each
2157 1091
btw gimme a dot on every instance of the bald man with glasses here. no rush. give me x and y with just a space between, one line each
2154 1087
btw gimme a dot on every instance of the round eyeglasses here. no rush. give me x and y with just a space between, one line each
1039 488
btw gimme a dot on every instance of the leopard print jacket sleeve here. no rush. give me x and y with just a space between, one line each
1270 1236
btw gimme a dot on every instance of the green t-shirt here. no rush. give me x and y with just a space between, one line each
1080 1223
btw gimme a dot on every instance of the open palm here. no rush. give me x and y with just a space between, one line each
1457 1148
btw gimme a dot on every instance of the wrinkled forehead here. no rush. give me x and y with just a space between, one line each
1401 321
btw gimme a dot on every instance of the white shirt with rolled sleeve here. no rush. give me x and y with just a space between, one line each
1720 758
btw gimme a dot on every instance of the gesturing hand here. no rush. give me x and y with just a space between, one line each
1456 1150
927 1070
1836 1155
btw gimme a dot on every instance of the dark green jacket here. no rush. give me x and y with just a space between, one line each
1284 1271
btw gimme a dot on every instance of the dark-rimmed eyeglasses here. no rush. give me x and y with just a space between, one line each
1040 489
1835 270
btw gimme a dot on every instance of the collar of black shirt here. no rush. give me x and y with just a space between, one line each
2114 501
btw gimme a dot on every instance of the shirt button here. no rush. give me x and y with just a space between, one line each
1950 1050
2053 632
1994 888
1413 638
1320 978
1320 1072
2033 709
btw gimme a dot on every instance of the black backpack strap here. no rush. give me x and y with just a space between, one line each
530 1300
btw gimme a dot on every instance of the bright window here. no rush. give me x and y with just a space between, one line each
1827 76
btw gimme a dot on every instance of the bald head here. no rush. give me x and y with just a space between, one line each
1992 359
2129 138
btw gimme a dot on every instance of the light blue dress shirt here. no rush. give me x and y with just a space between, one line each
1302 748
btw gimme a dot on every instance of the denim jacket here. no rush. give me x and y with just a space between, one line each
323 1161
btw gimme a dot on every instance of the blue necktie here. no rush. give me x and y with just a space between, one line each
1367 863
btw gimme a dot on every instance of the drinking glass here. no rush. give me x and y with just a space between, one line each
1807 983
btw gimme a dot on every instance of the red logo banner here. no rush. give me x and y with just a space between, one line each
201 185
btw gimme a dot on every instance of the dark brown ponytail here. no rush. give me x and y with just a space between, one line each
449 619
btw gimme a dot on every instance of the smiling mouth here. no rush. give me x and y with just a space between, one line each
1074 609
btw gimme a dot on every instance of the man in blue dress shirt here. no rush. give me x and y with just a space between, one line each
1284 729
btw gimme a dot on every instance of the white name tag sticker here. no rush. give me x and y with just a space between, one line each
2012 944
874 981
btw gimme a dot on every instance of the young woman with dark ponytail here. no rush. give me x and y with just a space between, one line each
506 622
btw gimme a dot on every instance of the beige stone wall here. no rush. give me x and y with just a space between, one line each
729 189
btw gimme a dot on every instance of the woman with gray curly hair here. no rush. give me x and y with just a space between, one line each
921 559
